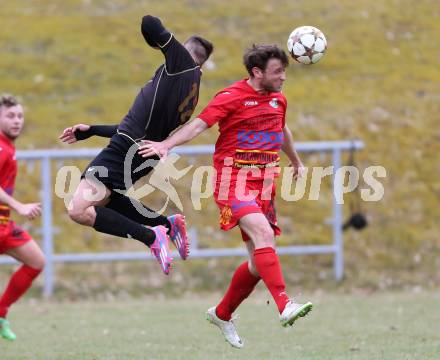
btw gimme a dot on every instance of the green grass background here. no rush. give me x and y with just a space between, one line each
84 61
391 326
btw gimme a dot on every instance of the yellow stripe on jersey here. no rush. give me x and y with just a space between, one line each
256 151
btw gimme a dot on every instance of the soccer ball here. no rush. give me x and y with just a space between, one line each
307 44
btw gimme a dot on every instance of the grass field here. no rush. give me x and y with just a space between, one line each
377 326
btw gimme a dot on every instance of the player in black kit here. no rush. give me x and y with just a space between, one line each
162 105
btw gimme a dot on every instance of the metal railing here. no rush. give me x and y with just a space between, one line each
47 156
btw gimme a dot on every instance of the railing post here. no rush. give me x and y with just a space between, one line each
46 179
192 233
338 264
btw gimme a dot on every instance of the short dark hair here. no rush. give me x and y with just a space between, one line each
259 55
201 48
7 100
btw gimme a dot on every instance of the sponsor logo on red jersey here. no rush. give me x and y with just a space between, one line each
250 103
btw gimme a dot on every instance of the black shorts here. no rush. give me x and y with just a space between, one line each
119 166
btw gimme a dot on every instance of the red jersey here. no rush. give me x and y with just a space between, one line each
250 125
8 172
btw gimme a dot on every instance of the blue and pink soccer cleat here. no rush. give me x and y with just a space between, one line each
160 248
178 235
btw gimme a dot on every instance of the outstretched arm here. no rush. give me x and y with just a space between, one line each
177 57
82 132
30 210
154 32
288 148
186 133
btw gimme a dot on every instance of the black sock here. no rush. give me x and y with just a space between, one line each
123 205
111 222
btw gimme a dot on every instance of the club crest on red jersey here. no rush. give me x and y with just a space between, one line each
274 103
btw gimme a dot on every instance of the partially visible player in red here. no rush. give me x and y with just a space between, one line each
14 241
251 117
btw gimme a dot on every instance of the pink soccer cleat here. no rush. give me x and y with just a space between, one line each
178 235
160 248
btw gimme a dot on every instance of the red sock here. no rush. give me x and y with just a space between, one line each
242 284
20 281
269 268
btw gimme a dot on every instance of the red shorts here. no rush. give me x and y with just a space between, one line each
233 206
12 236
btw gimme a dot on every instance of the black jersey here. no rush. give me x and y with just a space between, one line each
170 97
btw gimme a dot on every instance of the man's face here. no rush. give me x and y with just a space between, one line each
11 121
273 77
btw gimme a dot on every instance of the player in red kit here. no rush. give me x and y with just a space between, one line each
251 118
14 241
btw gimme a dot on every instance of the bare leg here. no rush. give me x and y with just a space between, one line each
250 247
258 229
87 196
29 254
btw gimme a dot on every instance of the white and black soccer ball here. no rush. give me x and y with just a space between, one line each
307 44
